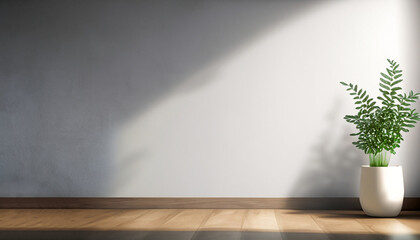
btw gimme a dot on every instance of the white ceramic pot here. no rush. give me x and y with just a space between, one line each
382 190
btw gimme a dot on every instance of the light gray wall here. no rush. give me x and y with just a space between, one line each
194 98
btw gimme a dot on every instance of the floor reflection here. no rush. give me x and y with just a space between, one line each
191 235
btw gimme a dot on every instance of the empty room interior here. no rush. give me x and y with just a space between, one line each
210 119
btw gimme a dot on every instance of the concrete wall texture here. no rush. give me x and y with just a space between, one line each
195 98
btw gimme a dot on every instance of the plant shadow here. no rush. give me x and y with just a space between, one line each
333 167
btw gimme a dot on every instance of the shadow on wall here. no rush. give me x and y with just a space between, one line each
333 169
411 174
73 72
412 157
333 166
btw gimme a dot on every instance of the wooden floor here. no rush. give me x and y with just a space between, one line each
203 224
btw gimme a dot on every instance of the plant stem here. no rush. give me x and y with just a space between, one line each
380 159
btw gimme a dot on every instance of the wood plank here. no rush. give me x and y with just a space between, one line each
114 220
152 220
411 219
260 220
216 223
51 219
343 226
72 235
387 226
296 224
225 220
332 222
187 220
296 221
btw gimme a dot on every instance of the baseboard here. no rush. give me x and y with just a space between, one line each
184 203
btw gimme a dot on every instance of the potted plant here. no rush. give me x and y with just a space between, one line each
379 134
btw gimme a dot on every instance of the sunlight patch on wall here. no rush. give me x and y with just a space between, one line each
247 124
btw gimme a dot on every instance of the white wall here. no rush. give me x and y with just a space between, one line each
238 100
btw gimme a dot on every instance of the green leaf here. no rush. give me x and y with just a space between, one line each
385 81
366 98
396 88
343 83
388 98
383 92
389 72
386 76
396 82
397 76
384 86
